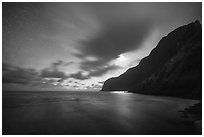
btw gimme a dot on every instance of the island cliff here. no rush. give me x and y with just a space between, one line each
173 68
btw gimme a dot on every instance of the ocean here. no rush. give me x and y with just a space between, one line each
92 113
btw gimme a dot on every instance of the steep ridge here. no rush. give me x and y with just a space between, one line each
173 68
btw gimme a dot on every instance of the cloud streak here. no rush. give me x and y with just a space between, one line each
115 39
48 77
79 75
13 74
54 72
46 73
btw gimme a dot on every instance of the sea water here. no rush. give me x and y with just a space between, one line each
98 113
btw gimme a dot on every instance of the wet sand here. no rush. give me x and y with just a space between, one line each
95 113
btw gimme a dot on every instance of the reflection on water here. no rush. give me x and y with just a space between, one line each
92 113
122 92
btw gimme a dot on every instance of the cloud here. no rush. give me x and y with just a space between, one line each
101 82
52 76
87 65
92 69
103 70
97 68
6 67
114 39
75 86
88 68
13 74
94 86
28 77
61 63
53 71
46 73
79 76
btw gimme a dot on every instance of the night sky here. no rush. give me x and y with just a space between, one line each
77 46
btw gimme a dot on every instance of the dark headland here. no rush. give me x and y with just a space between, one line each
173 68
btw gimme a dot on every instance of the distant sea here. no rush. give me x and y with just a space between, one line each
96 113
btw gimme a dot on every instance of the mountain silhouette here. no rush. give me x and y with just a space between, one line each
173 68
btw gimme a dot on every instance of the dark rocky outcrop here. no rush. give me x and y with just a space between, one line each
173 68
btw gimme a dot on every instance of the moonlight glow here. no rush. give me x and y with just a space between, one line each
122 60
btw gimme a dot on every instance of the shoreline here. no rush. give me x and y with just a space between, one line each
193 115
